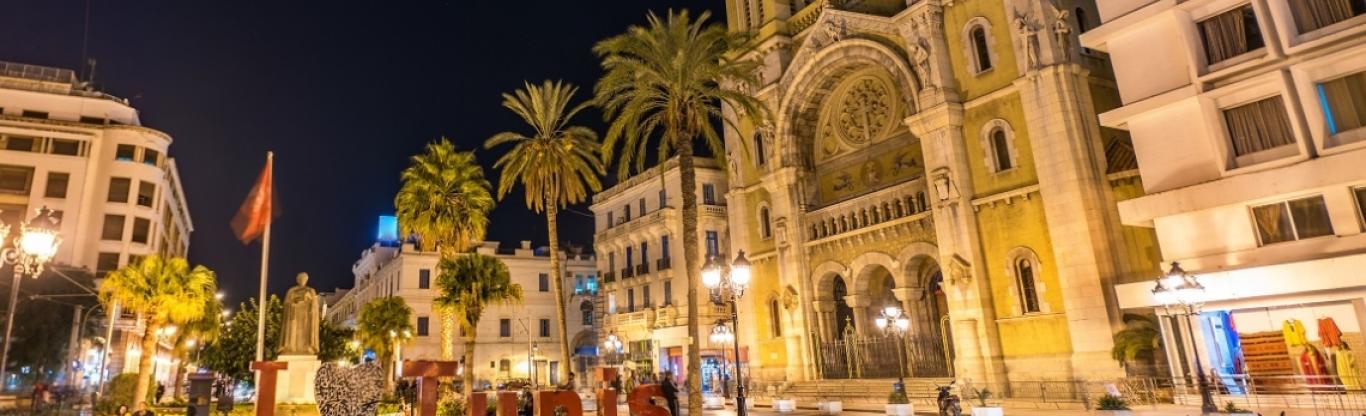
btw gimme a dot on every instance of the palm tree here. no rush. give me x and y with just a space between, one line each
557 165
383 324
1138 341
194 335
444 201
468 284
665 80
163 292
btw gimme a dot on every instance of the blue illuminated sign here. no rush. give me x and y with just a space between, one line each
388 229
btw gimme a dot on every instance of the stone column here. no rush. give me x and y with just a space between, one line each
825 318
860 303
907 297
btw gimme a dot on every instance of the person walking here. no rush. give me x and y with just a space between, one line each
670 391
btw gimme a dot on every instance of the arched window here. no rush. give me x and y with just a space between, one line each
1029 293
775 319
765 225
759 156
1001 150
982 56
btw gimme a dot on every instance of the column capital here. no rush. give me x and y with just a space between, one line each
906 294
823 305
858 301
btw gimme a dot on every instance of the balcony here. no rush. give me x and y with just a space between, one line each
627 273
663 264
642 269
608 277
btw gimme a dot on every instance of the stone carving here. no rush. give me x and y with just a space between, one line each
349 391
1062 32
300 325
831 31
865 111
920 52
872 173
1027 30
904 161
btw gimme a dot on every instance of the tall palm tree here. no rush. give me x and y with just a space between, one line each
667 81
444 201
468 284
383 324
557 165
164 292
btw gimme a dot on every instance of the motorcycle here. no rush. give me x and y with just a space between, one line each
948 402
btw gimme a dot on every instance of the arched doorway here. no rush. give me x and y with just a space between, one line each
931 341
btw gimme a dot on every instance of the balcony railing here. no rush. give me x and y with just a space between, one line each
627 273
642 269
609 277
662 264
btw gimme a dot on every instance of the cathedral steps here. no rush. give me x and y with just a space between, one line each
857 394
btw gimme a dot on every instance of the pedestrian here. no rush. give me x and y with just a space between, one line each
122 410
568 384
143 410
670 391
161 391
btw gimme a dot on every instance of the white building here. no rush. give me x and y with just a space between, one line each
643 293
86 155
506 335
1246 118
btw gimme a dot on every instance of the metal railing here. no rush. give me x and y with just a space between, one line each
1325 395
663 264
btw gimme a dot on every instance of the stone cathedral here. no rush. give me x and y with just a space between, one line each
942 156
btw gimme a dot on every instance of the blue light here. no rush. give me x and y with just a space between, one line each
1327 110
388 229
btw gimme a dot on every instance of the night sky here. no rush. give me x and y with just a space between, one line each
343 92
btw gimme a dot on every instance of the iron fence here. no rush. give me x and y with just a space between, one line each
1316 395
863 357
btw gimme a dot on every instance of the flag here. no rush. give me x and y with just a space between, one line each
254 215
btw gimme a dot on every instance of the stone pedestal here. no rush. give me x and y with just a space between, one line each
296 382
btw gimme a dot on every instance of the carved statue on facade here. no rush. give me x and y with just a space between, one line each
1026 29
1062 33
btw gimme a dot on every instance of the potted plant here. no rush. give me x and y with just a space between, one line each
1110 404
897 402
830 407
982 409
782 402
1234 410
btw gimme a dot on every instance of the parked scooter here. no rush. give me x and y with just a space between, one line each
948 402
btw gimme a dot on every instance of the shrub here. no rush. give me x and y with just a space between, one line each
120 392
1229 407
898 395
981 395
1111 402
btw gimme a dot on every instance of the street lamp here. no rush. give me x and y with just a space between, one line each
727 285
894 323
1178 288
34 246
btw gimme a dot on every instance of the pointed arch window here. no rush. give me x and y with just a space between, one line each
760 158
1001 150
765 224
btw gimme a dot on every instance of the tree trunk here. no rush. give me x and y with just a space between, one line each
688 182
145 376
389 370
557 278
469 362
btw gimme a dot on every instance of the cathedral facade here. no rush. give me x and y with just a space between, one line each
943 157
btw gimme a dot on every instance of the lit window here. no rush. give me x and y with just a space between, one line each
125 152
1296 219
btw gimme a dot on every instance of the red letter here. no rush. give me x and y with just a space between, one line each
547 401
507 403
265 393
478 404
426 373
639 401
607 402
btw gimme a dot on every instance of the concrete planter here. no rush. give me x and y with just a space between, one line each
988 411
713 402
900 409
1115 412
831 408
785 405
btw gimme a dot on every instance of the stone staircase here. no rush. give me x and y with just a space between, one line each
866 395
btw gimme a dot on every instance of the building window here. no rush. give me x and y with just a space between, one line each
765 224
15 179
1311 15
708 194
118 190
1361 204
1000 149
65 147
545 327
142 229
627 210
56 185
543 282
505 327
1229 34
1296 219
760 158
644 255
151 157
631 300
663 198
125 152
775 319
1344 102
642 206
611 220
664 247
586 308
424 279
1029 292
113 228
981 52
106 262
668 292
1258 126
645 296
146 192
34 114
630 261
1082 24
422 324
713 243
20 143
504 365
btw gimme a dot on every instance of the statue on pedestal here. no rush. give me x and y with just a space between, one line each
300 325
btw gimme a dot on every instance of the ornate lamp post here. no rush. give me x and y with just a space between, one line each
727 285
1181 290
894 322
614 345
33 247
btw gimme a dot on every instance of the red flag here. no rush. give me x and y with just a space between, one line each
254 215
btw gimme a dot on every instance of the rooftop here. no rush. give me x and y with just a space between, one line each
28 77
699 163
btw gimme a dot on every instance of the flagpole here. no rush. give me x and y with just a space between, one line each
261 303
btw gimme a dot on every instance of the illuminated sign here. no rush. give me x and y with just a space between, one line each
388 229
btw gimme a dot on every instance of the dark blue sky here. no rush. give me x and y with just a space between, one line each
342 91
